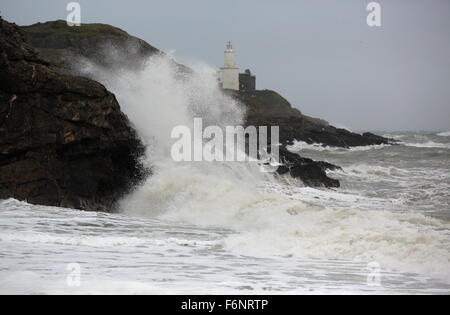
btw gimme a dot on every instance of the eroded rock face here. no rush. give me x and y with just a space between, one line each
104 45
268 108
63 139
311 173
61 45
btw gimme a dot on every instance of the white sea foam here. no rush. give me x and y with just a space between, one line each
299 146
96 241
267 219
158 100
376 172
218 227
394 136
421 140
301 225
428 144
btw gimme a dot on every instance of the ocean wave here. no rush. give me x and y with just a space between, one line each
377 172
429 144
265 215
13 283
444 134
97 241
407 242
307 223
298 146
395 136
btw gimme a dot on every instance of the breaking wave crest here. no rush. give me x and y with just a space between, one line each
267 216
429 144
299 146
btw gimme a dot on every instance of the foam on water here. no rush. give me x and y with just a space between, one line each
429 144
223 227
268 218
299 146
422 140
305 223
444 134
122 254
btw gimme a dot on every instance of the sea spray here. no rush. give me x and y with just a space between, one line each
267 216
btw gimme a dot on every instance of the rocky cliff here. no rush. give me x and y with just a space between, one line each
105 45
63 139
111 47
268 108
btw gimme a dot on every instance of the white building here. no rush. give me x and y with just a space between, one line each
229 73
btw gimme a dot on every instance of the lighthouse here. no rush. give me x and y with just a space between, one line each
229 73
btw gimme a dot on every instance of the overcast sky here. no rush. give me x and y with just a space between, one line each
319 54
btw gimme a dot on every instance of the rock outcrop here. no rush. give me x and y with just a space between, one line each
111 47
268 108
105 45
311 173
63 139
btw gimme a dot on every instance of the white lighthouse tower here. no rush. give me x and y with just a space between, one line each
229 73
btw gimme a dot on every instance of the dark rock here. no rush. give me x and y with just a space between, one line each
107 46
268 108
62 45
378 139
312 173
63 139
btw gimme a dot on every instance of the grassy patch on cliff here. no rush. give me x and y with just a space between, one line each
50 29
266 103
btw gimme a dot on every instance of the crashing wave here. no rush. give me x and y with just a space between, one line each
298 146
429 144
444 134
267 216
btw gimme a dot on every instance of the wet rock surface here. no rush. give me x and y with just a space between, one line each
62 45
63 139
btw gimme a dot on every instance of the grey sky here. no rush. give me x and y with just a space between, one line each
319 54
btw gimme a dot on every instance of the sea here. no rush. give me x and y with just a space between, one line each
228 228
